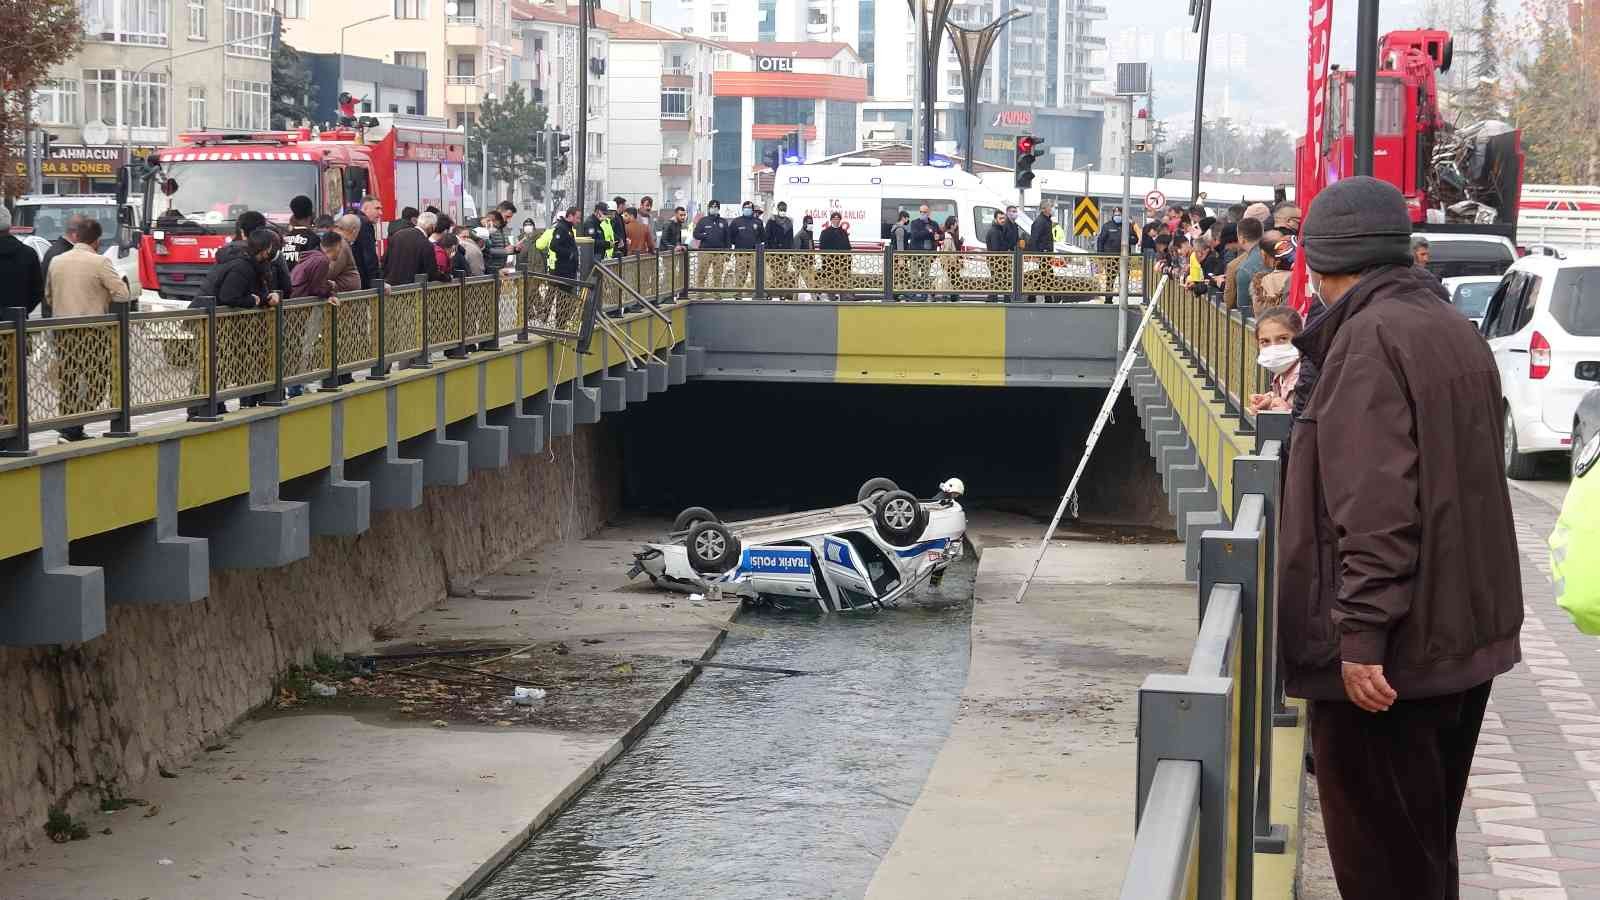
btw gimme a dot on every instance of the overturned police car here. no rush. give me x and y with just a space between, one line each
864 555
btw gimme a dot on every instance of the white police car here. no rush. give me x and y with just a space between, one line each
867 554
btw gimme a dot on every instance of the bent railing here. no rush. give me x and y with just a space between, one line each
64 372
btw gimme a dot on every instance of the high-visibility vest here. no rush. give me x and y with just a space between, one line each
1575 544
611 237
1058 234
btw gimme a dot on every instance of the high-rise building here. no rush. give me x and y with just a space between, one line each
147 71
1038 79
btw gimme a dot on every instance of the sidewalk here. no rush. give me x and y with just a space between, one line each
1031 796
358 804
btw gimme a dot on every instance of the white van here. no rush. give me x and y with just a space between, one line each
869 196
44 216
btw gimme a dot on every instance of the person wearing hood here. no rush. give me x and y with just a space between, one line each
711 233
1400 585
20 270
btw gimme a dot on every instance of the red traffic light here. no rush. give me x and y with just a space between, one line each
1025 144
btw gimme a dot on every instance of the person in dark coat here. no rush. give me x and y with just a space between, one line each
674 235
63 244
1042 239
21 275
240 278
365 245
619 225
1014 235
711 233
998 239
598 229
834 270
408 219
564 244
1399 577
410 253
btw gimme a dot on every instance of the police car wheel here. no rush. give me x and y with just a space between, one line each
900 518
693 516
873 486
713 549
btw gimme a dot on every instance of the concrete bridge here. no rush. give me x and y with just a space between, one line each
443 403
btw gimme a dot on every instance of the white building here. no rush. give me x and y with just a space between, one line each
661 115
547 67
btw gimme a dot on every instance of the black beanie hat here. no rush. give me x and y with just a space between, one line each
1356 224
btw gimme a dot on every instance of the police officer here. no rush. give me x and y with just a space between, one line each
598 229
746 233
780 236
711 233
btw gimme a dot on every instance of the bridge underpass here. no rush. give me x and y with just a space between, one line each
438 474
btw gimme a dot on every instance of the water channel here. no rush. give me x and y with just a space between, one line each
755 786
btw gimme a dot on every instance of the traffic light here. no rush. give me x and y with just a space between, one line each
1029 148
49 141
773 156
1163 165
563 149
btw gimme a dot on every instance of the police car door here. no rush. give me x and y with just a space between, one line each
846 571
781 571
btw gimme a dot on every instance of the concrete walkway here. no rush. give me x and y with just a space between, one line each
357 805
1031 796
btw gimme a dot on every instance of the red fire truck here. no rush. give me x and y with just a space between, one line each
1451 176
193 192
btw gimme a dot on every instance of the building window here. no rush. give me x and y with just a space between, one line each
674 103
125 21
247 28
246 105
597 145
415 59
112 97
719 23
297 9
198 15
197 107
56 102
466 13
410 9
597 99
766 21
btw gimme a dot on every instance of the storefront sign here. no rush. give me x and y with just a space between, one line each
1013 118
774 64
79 161
999 143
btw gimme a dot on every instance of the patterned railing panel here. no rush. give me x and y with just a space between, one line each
245 344
728 271
402 327
941 274
8 381
73 371
508 303
167 360
1069 274
358 330
554 308
480 308
306 348
444 315
823 275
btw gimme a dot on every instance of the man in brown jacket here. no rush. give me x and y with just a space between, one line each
1398 573
640 240
82 283
1249 231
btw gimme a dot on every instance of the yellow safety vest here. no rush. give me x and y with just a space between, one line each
1575 544
1058 234
543 245
611 237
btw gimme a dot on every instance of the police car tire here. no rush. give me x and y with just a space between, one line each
692 517
713 549
873 486
890 518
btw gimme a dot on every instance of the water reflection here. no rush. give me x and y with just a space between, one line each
754 786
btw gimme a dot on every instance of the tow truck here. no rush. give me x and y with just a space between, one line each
195 190
1460 181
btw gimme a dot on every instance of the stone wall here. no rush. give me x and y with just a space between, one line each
163 681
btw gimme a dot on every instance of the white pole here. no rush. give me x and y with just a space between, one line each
1094 436
1127 203
918 151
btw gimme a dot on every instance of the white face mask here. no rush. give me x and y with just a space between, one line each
1314 285
1278 358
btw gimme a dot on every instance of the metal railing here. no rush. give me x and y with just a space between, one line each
82 370
893 275
1221 343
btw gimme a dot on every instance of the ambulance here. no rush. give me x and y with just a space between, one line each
869 196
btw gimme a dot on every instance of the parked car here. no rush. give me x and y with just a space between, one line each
1470 294
1585 427
1459 254
863 555
44 216
1543 324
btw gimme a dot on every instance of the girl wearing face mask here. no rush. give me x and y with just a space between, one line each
1276 328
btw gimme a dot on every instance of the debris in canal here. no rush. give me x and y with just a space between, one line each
770 670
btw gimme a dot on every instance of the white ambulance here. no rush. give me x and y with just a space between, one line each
869 196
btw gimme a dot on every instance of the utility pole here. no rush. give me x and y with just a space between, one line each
1122 237
919 152
1366 83
1202 23
580 132
550 143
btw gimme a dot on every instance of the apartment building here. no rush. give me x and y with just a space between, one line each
1039 78
465 46
661 115
147 70
546 65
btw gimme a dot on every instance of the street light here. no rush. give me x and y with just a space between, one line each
340 86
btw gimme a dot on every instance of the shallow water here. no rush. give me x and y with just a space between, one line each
757 786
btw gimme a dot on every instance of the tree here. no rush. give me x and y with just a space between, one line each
34 35
1226 147
291 88
508 125
1552 100
1483 101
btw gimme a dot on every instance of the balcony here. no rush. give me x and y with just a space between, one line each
1093 11
676 121
465 31
462 90
676 170
674 79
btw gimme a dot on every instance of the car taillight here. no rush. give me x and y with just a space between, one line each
1538 357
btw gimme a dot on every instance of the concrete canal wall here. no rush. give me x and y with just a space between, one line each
83 720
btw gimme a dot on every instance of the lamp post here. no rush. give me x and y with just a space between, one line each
1366 83
1202 23
340 85
973 46
929 17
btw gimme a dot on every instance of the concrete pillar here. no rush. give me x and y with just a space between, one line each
258 530
677 366
339 506
521 418
44 599
636 383
445 461
488 446
657 377
396 479
150 562
696 361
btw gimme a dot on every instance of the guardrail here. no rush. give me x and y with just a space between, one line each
899 275
59 373
1221 343
1205 737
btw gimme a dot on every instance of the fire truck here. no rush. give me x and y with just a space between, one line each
1466 178
194 191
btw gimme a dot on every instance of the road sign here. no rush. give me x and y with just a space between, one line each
1155 200
1086 217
